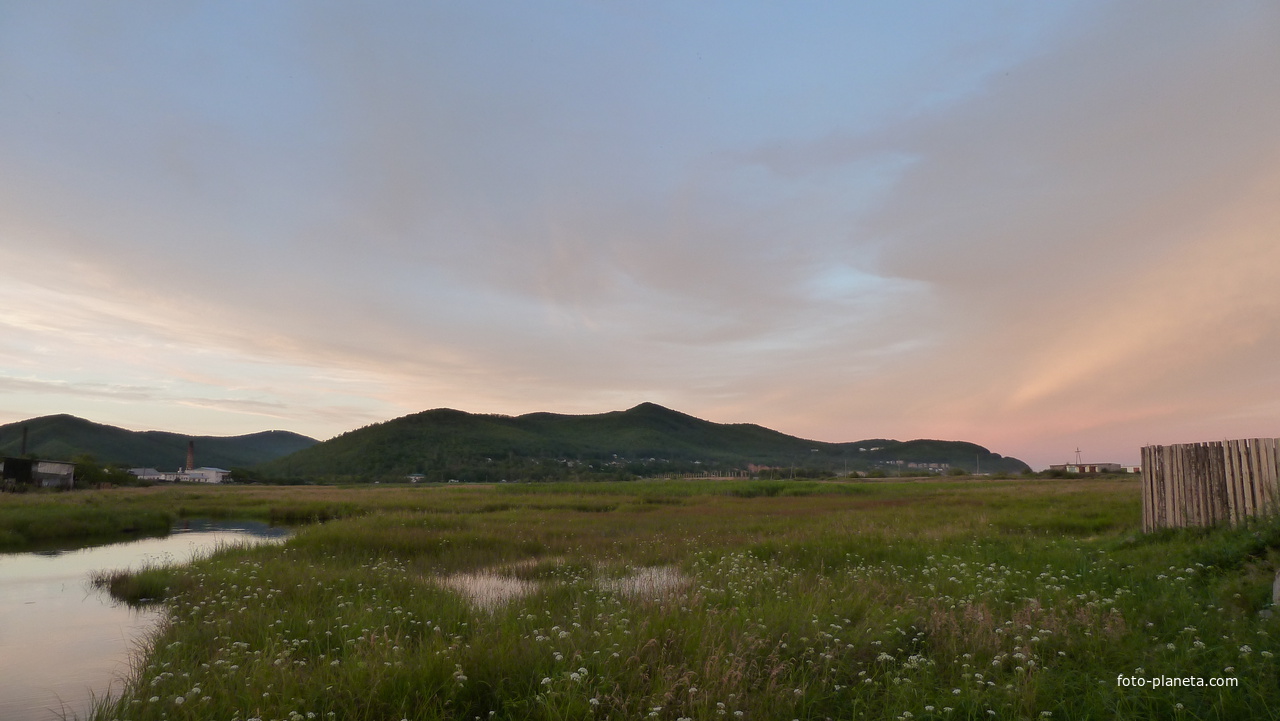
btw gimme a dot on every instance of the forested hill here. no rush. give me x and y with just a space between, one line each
64 437
645 440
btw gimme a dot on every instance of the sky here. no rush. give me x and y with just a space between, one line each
1033 226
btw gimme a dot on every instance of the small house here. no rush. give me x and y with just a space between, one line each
29 472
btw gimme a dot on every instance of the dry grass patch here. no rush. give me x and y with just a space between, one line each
654 583
488 590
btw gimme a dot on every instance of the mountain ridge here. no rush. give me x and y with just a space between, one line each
646 439
64 436
445 443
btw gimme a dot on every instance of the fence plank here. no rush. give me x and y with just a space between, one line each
1274 488
1260 462
1221 501
1241 469
1147 487
1255 448
1187 485
1185 473
1267 479
1195 479
1250 472
1157 470
1162 462
1237 482
1184 487
1246 490
1202 484
1210 484
1228 482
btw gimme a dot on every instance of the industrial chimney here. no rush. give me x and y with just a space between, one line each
191 456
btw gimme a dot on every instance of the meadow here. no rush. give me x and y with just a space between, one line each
965 599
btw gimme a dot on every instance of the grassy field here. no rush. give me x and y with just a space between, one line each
706 600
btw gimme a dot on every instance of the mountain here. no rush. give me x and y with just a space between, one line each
645 440
62 437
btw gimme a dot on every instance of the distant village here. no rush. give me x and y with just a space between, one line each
189 473
1095 468
61 474
33 472
204 474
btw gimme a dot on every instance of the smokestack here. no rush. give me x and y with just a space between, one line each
191 455
24 442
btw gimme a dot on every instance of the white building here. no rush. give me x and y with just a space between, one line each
1088 467
205 475
196 475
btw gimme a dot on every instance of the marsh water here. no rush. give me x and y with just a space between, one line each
64 642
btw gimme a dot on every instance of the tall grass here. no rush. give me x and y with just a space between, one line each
947 600
140 587
24 526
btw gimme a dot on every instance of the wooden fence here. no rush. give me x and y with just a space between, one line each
1201 484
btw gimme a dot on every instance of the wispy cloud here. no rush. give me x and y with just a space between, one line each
82 390
1033 228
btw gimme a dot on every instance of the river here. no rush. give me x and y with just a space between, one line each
63 642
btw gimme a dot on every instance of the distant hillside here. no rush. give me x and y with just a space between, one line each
645 440
62 437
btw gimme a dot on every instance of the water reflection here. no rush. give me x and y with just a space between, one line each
61 640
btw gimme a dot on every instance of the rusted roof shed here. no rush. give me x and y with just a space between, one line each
35 472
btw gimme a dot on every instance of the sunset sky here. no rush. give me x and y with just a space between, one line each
1033 226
